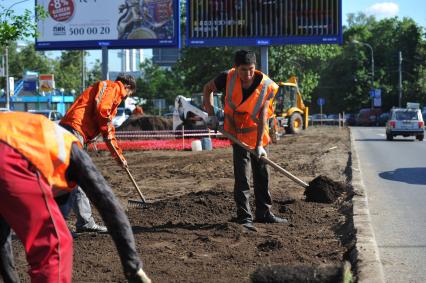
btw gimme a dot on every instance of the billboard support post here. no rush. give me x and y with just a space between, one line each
104 63
264 54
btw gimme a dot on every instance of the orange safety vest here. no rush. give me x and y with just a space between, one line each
44 143
241 119
93 111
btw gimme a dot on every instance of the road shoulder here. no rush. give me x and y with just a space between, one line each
365 256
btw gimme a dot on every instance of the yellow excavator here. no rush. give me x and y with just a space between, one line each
291 114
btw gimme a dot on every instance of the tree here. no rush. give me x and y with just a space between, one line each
18 27
158 83
68 72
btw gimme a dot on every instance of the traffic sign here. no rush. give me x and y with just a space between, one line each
321 101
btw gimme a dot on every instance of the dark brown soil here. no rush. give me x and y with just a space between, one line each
146 123
187 233
323 189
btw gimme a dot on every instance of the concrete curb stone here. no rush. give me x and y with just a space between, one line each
365 256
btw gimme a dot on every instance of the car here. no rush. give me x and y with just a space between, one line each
368 116
350 119
383 118
53 115
4 109
405 122
122 115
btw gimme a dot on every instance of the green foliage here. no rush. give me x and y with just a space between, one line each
158 83
17 27
68 71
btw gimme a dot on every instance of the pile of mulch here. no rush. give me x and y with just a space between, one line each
322 189
146 123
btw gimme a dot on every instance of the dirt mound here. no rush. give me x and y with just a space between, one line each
298 274
146 123
324 190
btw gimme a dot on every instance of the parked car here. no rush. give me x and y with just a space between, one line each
4 109
350 119
383 118
318 117
405 122
368 116
53 115
122 115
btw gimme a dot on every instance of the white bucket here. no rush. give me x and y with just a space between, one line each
196 145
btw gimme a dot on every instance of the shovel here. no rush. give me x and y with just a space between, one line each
130 202
265 159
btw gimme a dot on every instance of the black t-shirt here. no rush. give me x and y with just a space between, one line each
220 82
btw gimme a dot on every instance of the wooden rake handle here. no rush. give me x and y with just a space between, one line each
267 160
129 174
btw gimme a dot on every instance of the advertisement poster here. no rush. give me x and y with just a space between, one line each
114 23
263 22
46 82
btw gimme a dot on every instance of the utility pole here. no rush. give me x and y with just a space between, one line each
400 78
6 61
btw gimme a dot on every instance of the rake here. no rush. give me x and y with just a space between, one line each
131 202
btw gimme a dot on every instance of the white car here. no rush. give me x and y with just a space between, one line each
53 115
122 115
4 109
405 122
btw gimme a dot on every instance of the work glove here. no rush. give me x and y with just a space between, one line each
212 122
121 161
139 277
260 151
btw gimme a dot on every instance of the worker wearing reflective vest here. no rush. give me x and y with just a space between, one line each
248 105
90 115
41 160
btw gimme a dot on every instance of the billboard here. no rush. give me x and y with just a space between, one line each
263 22
46 82
92 24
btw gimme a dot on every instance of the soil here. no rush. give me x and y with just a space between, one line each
146 123
187 233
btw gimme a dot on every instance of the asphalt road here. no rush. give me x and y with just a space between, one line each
394 175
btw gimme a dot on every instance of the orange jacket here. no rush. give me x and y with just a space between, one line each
241 119
92 113
45 144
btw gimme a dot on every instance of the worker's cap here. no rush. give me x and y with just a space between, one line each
244 57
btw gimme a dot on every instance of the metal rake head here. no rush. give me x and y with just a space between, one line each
136 204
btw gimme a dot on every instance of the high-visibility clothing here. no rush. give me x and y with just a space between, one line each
242 118
92 113
44 143
28 207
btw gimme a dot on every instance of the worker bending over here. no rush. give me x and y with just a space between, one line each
90 115
41 160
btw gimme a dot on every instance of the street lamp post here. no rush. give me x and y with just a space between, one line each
372 66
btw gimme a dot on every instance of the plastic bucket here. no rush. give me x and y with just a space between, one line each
206 143
196 145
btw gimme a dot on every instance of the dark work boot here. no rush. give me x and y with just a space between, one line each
270 218
248 224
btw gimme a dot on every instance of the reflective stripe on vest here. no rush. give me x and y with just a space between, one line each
259 102
239 130
99 98
230 91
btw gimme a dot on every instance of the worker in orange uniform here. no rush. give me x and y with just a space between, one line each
41 160
90 115
248 106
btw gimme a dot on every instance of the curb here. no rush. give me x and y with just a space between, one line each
365 256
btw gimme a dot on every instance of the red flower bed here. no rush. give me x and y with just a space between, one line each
176 144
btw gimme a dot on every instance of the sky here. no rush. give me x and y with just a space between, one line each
380 9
